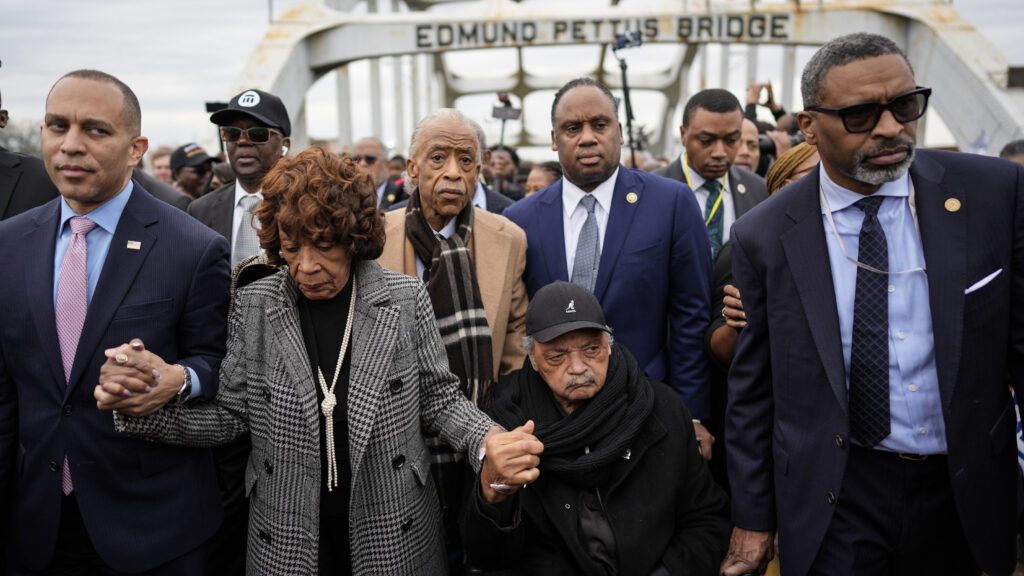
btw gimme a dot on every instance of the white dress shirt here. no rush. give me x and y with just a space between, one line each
574 214
480 196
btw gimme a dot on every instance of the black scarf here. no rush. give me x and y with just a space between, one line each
455 295
607 423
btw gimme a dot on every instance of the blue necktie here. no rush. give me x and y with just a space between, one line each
588 249
717 222
869 351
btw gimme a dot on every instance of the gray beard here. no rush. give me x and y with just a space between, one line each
876 176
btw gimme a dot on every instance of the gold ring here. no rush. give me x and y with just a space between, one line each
121 359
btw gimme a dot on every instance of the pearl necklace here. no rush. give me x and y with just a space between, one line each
330 401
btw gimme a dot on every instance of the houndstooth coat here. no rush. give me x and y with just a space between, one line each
399 383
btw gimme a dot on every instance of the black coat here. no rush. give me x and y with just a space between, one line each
666 512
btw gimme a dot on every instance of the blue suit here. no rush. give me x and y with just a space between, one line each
143 504
787 423
653 279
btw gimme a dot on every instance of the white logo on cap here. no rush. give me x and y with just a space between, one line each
571 308
249 99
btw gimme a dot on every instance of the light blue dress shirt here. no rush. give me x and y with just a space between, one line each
914 401
480 196
445 233
106 217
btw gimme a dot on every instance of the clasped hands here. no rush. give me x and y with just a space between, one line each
136 382
510 462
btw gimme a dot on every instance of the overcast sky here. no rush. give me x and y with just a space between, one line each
178 54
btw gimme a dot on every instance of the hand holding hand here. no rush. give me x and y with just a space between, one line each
511 460
135 381
704 439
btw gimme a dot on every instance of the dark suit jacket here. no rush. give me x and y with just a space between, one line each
754 188
787 424
653 279
24 183
496 202
143 504
393 193
161 190
216 209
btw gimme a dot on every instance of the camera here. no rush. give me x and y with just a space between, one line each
767 145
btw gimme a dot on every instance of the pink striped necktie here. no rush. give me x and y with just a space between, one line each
72 305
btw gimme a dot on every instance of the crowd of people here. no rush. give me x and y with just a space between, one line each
799 340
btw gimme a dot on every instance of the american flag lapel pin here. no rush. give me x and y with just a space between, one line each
134 245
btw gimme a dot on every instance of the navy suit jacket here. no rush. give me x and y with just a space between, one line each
653 280
787 425
142 503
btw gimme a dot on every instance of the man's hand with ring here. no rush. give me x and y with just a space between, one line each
733 308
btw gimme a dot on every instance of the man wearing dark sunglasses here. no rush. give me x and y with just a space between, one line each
869 419
255 129
371 154
191 168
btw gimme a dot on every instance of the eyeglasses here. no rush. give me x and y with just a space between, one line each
861 118
256 134
370 159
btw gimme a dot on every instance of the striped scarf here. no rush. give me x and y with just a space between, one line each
455 294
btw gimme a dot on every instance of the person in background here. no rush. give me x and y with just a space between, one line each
748 155
1013 151
543 175
371 154
192 170
796 163
504 164
160 164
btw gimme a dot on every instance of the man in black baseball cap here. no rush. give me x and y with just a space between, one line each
618 484
255 129
191 168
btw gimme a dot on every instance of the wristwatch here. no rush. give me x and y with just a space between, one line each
186 386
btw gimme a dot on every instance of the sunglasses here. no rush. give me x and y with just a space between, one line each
370 159
256 135
861 118
200 170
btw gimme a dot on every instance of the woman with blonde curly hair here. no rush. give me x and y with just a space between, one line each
335 367
796 163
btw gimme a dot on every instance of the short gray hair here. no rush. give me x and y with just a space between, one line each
414 142
840 52
528 343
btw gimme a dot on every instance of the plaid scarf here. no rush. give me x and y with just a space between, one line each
455 294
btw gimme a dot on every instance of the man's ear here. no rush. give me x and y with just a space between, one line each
412 168
532 361
138 149
805 120
3 118
554 143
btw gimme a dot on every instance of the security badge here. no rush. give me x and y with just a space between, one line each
952 205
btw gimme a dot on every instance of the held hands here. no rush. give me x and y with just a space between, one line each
511 460
749 552
704 439
733 311
135 381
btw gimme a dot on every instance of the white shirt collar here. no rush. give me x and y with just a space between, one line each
840 198
241 193
448 229
571 194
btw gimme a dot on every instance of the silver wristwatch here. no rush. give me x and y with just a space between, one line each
186 387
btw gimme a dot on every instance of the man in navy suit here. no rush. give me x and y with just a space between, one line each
93 269
869 419
653 259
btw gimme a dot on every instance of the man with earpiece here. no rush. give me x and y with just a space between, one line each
255 129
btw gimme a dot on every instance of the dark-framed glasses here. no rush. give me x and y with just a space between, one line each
370 158
256 134
860 118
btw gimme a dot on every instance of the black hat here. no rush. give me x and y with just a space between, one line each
259 105
190 154
561 307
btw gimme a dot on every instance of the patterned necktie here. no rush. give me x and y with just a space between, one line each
72 305
716 222
247 243
869 352
588 249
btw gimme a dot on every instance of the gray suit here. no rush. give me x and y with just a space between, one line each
400 382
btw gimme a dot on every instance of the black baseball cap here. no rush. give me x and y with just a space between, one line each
258 105
560 308
190 154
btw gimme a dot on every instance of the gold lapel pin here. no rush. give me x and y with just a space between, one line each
627 455
632 197
741 189
391 197
952 205
134 245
